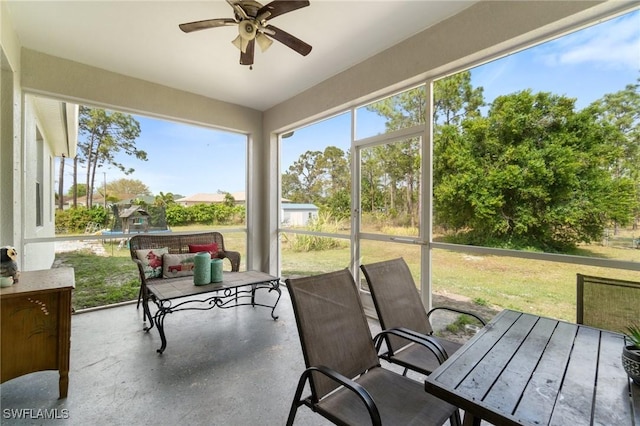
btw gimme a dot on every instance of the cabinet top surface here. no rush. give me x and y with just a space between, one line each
38 281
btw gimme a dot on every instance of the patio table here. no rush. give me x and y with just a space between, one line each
523 369
180 294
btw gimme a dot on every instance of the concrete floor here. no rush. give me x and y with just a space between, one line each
220 367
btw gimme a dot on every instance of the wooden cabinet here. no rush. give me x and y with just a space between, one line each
35 319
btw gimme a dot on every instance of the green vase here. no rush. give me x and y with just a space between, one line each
216 270
202 268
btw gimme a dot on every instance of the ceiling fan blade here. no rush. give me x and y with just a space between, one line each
288 40
207 23
246 57
279 7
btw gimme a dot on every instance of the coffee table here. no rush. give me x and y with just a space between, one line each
180 294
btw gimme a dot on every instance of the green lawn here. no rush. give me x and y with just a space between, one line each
546 288
101 280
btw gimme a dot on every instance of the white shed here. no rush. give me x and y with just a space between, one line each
298 214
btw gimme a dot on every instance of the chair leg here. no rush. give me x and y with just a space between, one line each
297 401
139 297
292 413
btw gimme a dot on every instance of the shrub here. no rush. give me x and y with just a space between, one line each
75 220
305 243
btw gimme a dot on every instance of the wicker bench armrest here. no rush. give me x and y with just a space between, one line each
234 258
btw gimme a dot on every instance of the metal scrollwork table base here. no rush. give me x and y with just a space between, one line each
180 294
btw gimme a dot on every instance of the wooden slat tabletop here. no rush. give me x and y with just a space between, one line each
523 369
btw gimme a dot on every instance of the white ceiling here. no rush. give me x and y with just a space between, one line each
141 39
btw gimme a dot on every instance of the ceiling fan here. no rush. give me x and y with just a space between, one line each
252 19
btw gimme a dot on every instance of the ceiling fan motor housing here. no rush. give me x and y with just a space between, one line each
247 30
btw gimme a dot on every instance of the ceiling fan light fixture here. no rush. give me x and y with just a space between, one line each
240 43
263 41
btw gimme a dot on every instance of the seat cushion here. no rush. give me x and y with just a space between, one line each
178 265
152 261
211 248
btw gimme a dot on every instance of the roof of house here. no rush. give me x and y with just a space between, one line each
211 198
299 206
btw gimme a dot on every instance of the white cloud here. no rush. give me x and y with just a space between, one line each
612 45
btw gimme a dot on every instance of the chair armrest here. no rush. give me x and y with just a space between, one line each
234 258
418 338
355 387
446 308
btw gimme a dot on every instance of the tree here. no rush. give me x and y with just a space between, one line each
621 110
122 189
229 201
164 200
106 134
302 183
400 161
78 189
529 174
371 174
321 178
454 99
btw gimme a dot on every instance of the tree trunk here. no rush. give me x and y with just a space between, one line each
392 194
75 182
90 158
410 201
87 201
93 180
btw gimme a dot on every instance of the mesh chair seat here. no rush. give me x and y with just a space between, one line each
390 391
418 358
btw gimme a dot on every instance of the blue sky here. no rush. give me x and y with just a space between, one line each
585 65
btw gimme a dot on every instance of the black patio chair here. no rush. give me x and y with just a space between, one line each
399 306
348 386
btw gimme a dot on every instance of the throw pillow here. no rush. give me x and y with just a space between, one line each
177 265
152 261
211 248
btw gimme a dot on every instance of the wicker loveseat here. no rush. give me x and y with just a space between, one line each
175 244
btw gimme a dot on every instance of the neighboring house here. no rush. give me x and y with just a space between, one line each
81 201
203 198
294 214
